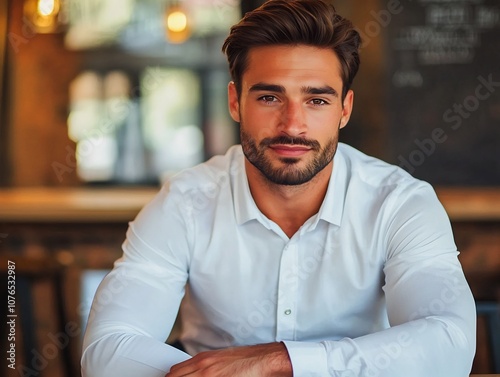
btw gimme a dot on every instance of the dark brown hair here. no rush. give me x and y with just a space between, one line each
280 22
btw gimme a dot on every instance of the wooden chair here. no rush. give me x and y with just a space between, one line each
28 272
490 310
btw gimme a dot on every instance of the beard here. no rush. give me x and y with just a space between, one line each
289 173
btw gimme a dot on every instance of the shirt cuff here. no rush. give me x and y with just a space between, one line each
308 359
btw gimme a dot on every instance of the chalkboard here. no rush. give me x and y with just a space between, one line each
444 90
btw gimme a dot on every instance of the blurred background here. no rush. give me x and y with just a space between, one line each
102 100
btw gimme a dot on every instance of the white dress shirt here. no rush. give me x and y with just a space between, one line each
369 286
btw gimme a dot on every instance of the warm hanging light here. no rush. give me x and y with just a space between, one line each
43 14
176 23
47 8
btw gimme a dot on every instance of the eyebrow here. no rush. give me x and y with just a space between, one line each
321 90
263 87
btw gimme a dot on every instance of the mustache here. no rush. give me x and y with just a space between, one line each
290 140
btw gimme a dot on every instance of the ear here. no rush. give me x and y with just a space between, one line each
233 101
347 108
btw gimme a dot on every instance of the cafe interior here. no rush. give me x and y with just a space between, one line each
101 101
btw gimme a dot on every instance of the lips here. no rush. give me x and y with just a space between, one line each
290 150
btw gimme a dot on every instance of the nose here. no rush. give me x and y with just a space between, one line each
293 120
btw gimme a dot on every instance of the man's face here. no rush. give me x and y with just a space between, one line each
290 111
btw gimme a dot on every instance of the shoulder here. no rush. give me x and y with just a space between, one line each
373 171
407 208
381 185
191 193
200 189
213 175
378 175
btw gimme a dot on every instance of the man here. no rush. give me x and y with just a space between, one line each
303 256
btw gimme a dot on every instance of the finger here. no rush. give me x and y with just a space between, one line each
182 369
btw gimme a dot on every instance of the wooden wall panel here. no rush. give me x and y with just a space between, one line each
40 72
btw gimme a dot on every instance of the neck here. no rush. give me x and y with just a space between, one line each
288 206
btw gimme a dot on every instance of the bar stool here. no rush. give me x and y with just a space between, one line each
30 271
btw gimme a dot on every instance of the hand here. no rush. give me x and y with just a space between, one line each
249 361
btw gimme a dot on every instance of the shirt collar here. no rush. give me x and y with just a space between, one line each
331 210
244 205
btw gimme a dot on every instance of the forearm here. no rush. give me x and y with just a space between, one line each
127 355
433 334
128 325
278 361
425 347
262 360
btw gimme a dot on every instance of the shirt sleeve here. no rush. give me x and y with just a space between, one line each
430 306
135 306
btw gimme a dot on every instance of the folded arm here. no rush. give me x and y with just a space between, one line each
136 305
429 305
126 332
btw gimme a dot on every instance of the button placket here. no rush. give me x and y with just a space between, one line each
287 293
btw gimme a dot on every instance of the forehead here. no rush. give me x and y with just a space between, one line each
293 64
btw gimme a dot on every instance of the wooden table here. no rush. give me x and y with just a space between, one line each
73 205
122 204
471 204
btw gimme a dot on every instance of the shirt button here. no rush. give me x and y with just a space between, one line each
288 312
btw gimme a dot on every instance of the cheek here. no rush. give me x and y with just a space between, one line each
323 122
258 124
323 127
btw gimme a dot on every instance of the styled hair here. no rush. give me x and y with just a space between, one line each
294 22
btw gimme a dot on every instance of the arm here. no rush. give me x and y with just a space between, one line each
260 361
430 306
136 305
430 310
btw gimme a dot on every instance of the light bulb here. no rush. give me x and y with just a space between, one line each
43 14
177 21
176 24
46 8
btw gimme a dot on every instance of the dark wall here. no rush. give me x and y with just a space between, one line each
249 5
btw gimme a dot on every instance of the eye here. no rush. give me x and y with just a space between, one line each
318 102
268 99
